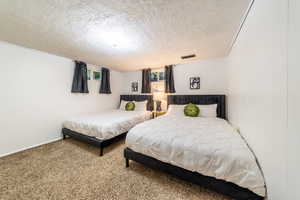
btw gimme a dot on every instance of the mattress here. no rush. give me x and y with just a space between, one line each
209 146
108 124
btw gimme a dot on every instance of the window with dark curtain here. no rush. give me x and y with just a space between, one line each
169 82
146 84
105 81
80 83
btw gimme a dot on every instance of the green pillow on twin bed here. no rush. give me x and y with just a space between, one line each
191 110
129 106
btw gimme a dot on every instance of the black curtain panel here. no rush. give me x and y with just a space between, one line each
80 83
146 84
169 82
105 81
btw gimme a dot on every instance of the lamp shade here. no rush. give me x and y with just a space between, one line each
158 96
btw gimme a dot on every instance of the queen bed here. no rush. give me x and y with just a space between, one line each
106 127
204 150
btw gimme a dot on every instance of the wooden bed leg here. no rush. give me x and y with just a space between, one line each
64 136
101 151
127 163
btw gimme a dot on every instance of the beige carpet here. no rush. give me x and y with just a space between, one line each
72 170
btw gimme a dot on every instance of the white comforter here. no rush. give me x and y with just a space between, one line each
108 124
209 146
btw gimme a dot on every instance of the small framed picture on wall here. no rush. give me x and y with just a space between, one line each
195 83
134 86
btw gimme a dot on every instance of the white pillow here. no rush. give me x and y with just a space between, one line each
208 110
123 104
140 105
176 110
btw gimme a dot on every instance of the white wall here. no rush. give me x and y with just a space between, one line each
212 73
36 97
213 77
132 76
257 74
293 101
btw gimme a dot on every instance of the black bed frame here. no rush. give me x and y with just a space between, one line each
220 186
103 143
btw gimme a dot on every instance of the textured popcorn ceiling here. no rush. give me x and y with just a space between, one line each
124 34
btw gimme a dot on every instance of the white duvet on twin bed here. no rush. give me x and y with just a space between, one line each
108 124
209 146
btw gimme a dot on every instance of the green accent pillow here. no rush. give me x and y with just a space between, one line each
129 106
191 110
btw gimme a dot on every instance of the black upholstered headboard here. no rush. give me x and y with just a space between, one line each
135 97
201 99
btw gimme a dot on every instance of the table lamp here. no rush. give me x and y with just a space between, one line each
158 97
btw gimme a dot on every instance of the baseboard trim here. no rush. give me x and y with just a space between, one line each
30 147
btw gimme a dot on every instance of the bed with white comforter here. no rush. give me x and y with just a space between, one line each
209 146
106 125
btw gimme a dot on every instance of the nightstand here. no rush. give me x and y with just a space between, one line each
158 113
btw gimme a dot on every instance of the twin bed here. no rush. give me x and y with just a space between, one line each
203 150
107 127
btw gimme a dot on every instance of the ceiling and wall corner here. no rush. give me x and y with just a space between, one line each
244 18
212 73
124 35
